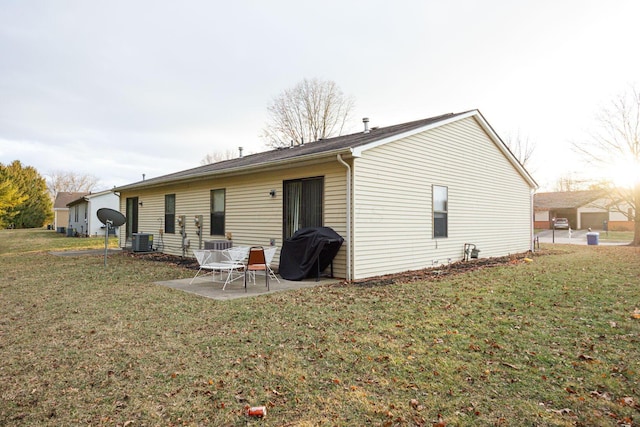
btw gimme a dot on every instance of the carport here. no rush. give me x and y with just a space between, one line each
572 205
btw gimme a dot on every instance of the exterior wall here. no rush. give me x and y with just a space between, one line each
542 220
78 218
252 216
621 222
489 202
98 201
87 223
621 226
61 218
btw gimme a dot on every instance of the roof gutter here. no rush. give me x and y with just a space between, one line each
229 171
346 165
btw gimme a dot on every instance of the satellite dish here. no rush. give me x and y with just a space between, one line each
111 217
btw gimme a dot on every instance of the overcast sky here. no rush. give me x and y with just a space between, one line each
118 89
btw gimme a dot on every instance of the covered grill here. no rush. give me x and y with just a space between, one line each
308 252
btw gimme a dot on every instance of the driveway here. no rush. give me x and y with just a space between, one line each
573 237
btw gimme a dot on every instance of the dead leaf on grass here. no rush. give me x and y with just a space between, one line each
563 411
440 422
509 365
587 358
627 401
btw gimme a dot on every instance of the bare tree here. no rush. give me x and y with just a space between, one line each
218 156
58 181
569 182
310 111
521 148
616 146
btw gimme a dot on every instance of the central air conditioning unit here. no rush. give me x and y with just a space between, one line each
218 245
142 242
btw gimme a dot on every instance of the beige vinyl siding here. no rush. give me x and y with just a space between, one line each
489 201
252 216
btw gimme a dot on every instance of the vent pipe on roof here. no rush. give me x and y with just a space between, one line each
240 151
366 124
143 175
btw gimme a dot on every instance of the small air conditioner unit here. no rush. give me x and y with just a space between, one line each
218 245
142 242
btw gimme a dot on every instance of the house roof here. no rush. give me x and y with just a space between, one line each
85 197
353 144
63 198
565 199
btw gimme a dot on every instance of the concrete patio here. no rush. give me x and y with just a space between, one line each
206 287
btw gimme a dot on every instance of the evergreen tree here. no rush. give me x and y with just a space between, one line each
34 208
10 198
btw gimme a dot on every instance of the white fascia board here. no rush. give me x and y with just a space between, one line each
98 194
505 150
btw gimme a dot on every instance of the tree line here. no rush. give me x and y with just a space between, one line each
24 197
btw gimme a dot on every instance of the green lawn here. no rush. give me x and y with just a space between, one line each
552 342
616 236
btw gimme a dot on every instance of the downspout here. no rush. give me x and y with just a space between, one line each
346 165
532 223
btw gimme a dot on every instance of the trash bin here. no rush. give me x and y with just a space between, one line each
592 238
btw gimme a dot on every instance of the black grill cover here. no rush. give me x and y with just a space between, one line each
308 249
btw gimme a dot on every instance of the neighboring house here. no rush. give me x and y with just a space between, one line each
584 210
61 210
83 218
404 197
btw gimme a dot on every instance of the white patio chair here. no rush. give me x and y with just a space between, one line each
269 253
235 261
227 261
205 261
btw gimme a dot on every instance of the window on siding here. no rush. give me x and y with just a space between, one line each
169 213
217 212
440 211
302 204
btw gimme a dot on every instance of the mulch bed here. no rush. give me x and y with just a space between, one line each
458 267
185 262
425 274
